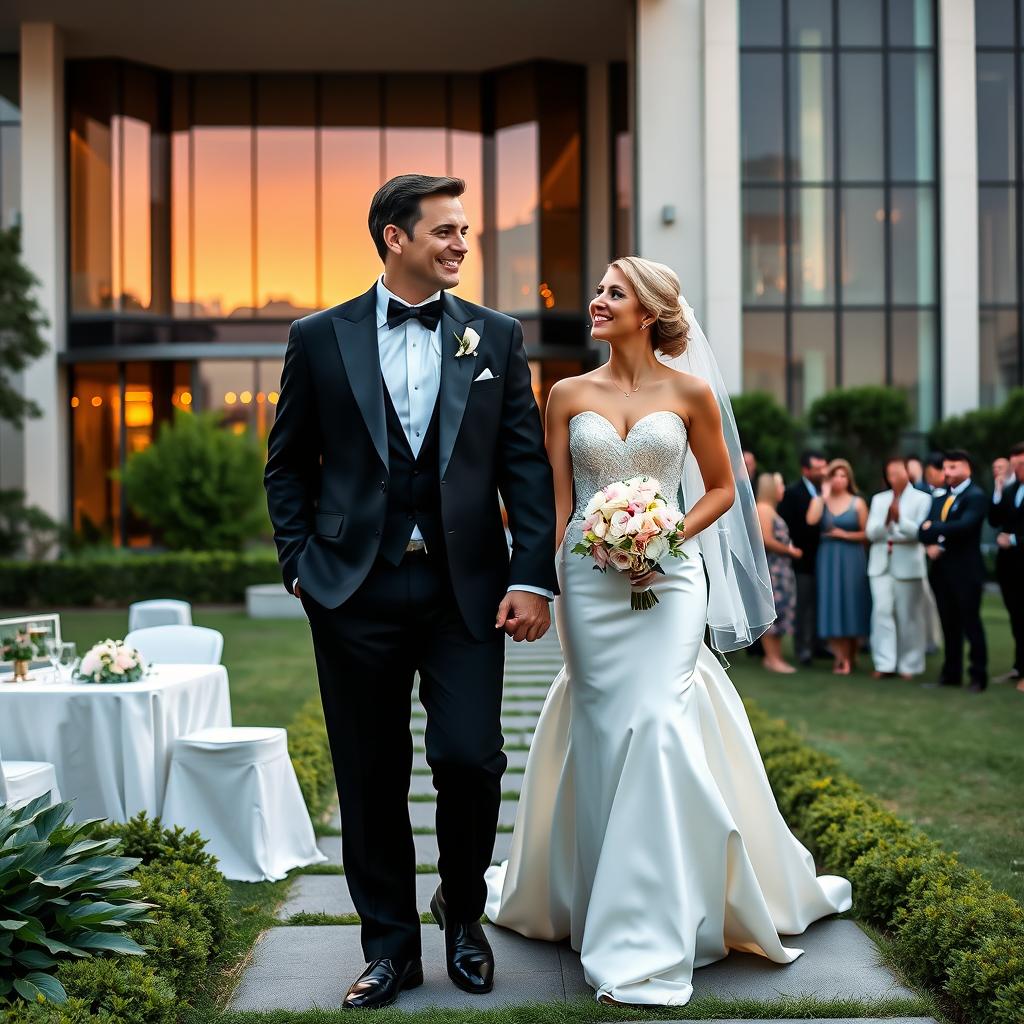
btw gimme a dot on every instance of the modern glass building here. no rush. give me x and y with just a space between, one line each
837 182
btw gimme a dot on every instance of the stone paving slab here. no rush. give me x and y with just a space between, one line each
305 967
426 848
329 894
298 968
516 759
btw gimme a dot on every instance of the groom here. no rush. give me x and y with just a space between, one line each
403 413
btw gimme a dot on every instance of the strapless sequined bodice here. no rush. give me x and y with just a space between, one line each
656 447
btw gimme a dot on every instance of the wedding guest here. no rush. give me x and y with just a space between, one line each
915 470
952 535
750 461
935 473
1006 514
896 572
793 509
842 585
1002 474
780 552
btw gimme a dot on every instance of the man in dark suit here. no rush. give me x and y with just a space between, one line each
793 509
1006 515
952 539
402 415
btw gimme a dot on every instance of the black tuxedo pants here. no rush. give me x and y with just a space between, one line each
1010 573
958 599
403 619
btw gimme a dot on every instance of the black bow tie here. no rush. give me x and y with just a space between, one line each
428 314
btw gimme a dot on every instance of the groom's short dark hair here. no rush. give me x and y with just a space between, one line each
398 202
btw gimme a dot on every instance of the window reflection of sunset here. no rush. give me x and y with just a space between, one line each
222 265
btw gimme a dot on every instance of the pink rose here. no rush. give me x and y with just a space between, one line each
125 660
600 554
620 559
90 663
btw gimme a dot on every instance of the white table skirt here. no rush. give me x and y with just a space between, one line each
111 744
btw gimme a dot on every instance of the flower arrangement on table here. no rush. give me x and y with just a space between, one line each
111 662
629 526
20 650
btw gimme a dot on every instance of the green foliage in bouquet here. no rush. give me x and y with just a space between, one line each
63 894
863 425
768 431
199 485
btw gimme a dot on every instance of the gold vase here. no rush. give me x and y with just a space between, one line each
20 670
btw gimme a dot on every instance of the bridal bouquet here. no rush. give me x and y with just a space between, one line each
630 526
111 662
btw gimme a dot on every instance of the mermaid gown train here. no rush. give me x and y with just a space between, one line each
647 832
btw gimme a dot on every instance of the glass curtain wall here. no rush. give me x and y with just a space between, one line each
999 37
10 142
839 184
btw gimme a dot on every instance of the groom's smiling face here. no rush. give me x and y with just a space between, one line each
431 258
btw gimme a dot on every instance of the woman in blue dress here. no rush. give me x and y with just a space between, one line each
844 601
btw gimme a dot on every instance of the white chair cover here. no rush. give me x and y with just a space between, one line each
22 781
161 612
237 787
177 645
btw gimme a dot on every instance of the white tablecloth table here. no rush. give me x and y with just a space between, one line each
111 743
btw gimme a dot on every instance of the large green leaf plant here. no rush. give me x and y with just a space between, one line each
63 894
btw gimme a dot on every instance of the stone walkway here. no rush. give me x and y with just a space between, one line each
301 966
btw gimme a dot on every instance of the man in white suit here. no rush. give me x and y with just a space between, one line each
897 571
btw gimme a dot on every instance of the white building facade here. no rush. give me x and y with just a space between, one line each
837 183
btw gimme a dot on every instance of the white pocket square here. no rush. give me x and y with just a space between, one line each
484 374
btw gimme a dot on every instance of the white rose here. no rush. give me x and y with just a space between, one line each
633 525
600 529
657 548
90 663
593 505
617 525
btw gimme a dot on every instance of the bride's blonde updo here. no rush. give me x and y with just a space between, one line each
657 290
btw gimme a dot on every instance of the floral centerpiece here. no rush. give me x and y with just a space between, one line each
629 526
111 662
21 650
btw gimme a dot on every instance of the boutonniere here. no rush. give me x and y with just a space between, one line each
467 343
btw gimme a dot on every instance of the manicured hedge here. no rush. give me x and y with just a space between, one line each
188 925
951 930
311 757
209 577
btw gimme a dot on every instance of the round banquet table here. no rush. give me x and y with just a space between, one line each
111 743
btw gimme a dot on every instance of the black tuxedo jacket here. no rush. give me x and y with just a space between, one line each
1007 518
960 534
793 509
327 466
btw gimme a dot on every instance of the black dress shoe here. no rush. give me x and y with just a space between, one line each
381 982
469 956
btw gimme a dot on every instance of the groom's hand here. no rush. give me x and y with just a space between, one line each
524 616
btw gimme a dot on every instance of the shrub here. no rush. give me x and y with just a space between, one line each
768 431
211 577
24 529
199 485
862 425
61 895
949 929
310 753
985 433
147 839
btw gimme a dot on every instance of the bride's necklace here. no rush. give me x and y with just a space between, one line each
628 394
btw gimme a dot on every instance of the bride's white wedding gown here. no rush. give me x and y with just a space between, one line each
647 832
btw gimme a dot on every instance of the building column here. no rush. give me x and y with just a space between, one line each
598 177
723 320
670 215
958 170
44 241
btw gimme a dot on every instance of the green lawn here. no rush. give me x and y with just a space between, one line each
951 761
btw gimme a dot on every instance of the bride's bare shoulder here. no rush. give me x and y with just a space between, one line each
688 387
569 391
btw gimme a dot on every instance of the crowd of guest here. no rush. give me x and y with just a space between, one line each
900 575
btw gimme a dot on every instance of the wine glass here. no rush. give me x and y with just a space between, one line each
67 660
51 648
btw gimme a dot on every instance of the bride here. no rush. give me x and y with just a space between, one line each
647 832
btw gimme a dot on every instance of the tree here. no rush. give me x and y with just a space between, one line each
768 431
985 433
199 485
862 425
21 323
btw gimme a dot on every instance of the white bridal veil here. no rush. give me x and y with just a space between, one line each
740 602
